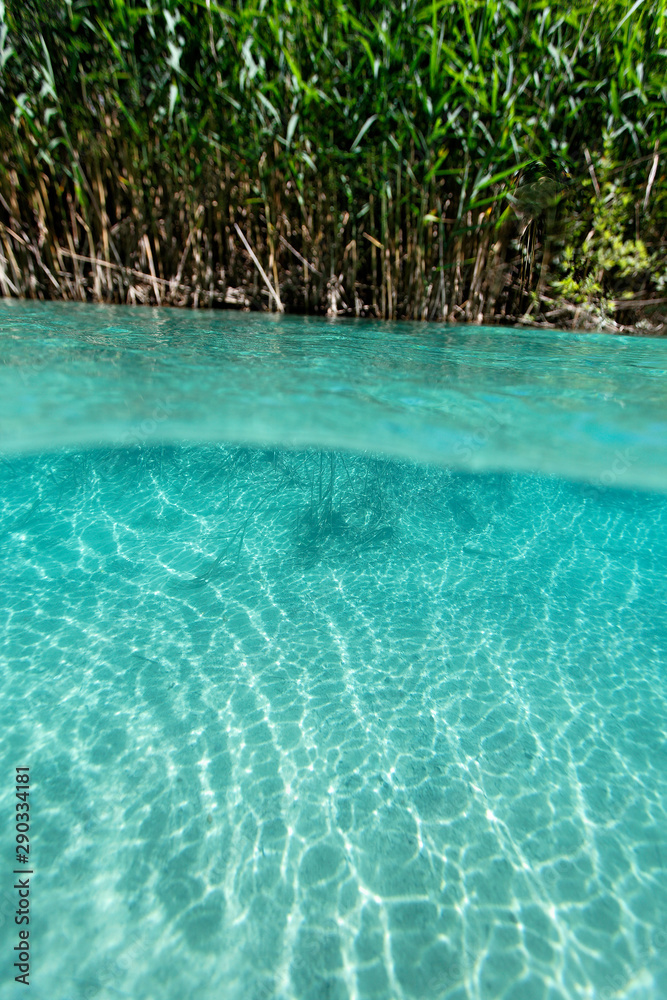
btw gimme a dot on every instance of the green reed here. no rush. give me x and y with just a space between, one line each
461 160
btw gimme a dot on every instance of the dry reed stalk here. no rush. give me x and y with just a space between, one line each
16 272
475 300
261 270
151 267
7 286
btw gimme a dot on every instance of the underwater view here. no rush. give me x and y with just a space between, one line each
337 652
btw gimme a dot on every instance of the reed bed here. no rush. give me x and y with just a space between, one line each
458 160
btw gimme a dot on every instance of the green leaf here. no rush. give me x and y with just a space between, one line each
471 35
362 132
291 127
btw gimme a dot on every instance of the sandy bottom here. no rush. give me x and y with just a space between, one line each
305 726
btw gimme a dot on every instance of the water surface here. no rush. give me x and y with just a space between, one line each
587 406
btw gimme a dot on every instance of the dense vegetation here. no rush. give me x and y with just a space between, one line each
450 159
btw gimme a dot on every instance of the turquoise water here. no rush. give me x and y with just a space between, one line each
337 652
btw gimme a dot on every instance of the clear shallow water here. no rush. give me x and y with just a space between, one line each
314 724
